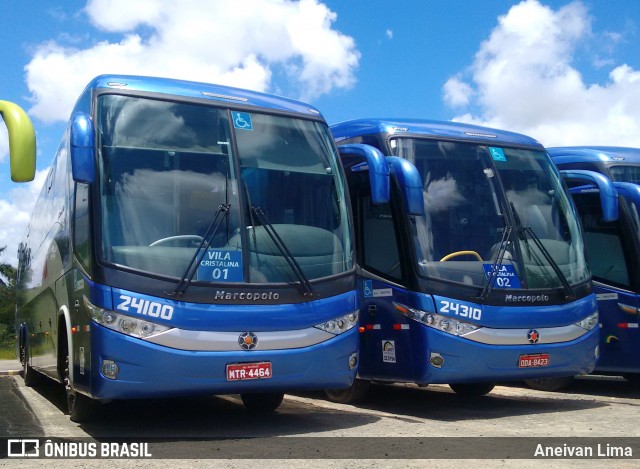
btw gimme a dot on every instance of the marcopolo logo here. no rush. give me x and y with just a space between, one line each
246 296
526 298
248 341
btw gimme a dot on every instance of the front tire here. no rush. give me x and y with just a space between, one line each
31 377
472 389
262 401
80 408
549 384
351 395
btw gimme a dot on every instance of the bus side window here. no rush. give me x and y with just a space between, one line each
604 242
380 245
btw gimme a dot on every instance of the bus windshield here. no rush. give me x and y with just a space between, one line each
493 209
167 168
625 173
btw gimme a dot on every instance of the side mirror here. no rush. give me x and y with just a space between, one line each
22 142
376 165
410 184
83 166
608 193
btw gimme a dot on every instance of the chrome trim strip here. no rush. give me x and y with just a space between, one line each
548 335
211 341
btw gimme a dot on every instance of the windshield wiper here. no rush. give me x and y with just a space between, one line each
525 231
282 247
493 275
187 277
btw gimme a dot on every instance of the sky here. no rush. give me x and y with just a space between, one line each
565 73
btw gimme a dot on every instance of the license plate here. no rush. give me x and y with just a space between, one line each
531 361
242 371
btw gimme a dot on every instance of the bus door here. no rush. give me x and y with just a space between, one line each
386 346
611 248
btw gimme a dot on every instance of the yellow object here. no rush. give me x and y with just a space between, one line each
22 142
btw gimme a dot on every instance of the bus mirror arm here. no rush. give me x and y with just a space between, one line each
410 184
608 193
377 167
83 166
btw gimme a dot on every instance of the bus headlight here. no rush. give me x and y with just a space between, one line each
340 324
442 323
122 323
589 322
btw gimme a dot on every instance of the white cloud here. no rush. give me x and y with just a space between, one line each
15 212
522 79
389 33
215 41
457 93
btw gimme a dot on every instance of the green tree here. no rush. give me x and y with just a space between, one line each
7 306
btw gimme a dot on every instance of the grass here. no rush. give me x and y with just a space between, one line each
7 342
8 353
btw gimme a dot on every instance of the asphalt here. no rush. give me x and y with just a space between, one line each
10 367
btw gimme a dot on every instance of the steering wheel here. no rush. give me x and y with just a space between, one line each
178 238
461 253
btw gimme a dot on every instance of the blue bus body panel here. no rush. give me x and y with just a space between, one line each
619 331
619 320
225 317
564 155
149 370
429 128
201 91
410 343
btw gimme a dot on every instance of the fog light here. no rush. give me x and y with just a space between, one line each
353 361
436 360
110 369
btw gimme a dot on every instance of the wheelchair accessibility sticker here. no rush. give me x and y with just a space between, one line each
367 288
369 292
497 154
242 120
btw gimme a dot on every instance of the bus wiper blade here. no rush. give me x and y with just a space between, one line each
552 263
486 291
282 247
526 232
187 277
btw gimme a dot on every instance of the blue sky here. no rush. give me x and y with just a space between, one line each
562 72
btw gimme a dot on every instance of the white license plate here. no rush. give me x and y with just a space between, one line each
532 361
242 371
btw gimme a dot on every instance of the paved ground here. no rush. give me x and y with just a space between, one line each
10 367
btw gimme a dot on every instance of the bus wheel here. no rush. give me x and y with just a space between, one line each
549 384
262 401
80 407
351 395
472 389
31 377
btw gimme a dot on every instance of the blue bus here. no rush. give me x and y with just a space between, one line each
189 239
470 257
613 249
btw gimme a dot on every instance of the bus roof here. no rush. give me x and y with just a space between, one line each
191 89
594 154
455 130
